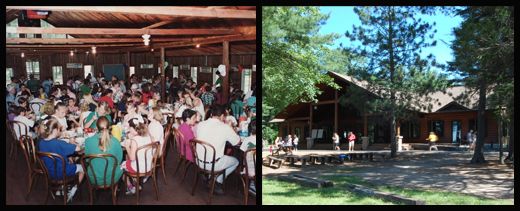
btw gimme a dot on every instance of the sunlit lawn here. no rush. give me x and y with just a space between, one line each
281 192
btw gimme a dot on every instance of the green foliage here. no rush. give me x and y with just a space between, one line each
291 52
484 49
392 38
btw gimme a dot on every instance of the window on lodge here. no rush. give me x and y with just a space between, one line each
437 126
410 129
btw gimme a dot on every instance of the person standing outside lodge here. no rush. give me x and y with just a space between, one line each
351 140
432 138
295 142
469 137
335 139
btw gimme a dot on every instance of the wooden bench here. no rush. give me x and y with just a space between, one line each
322 158
295 158
273 160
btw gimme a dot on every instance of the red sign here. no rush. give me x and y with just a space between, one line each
37 14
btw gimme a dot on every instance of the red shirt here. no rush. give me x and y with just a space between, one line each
108 100
351 137
146 97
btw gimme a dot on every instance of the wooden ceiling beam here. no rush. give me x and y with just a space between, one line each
159 24
71 46
203 41
85 40
151 10
104 31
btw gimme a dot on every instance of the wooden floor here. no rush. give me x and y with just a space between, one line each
173 193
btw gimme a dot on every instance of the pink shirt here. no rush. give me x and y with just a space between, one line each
351 137
187 135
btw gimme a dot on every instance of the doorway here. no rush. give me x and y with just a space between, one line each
456 132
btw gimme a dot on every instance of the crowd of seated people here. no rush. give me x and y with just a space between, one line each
94 105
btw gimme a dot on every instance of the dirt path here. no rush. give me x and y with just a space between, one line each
442 170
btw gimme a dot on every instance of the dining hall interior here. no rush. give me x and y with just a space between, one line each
130 105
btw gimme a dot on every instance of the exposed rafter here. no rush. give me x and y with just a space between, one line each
90 31
151 10
85 40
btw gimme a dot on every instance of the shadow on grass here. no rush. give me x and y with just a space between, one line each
295 194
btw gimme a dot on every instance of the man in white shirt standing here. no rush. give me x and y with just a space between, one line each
215 132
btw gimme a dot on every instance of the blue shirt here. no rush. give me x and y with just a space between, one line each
47 84
9 98
62 148
251 102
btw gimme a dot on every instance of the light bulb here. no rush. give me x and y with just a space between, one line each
23 55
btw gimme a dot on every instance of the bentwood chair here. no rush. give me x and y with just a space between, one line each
60 183
149 151
205 165
17 129
161 157
29 152
35 107
181 152
88 162
248 176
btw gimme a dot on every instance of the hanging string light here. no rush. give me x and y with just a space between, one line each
93 50
22 55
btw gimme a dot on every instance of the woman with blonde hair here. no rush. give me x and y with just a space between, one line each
103 143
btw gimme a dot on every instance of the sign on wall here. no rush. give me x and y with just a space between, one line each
75 65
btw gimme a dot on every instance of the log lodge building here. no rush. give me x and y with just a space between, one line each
450 119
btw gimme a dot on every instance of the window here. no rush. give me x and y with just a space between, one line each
194 74
175 71
437 126
88 70
246 80
215 77
57 74
132 70
13 24
146 66
8 75
410 129
33 67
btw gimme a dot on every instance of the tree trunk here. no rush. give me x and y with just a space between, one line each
393 142
510 154
478 156
500 135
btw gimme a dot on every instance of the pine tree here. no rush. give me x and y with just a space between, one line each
484 55
391 40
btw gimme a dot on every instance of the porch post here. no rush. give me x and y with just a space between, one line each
336 110
310 121
365 125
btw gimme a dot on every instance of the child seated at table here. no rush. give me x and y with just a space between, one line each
103 143
137 137
49 132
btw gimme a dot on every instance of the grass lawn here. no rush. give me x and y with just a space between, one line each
281 192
